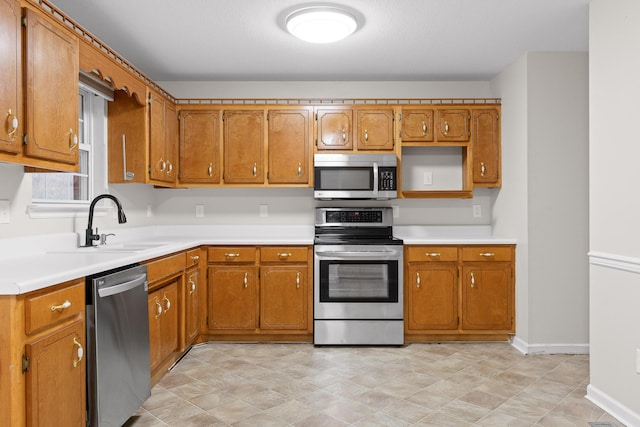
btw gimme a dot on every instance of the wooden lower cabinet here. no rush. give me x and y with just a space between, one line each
259 293
191 305
459 293
163 323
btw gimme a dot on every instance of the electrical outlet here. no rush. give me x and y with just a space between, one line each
5 212
264 211
477 211
149 211
199 211
428 178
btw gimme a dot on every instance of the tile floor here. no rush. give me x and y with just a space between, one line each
218 384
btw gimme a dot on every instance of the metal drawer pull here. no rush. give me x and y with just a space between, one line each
487 254
446 128
246 279
195 258
62 306
424 128
418 281
80 352
231 255
297 280
158 308
433 254
473 280
283 255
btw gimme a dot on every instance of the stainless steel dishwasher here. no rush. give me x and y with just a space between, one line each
118 357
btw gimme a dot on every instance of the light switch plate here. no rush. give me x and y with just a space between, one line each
428 178
477 211
264 211
199 211
5 212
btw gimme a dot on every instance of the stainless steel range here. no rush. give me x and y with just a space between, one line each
358 277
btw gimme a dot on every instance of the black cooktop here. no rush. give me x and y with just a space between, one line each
349 240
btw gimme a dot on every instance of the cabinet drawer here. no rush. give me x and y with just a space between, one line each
431 253
165 267
284 254
193 257
45 309
234 254
487 253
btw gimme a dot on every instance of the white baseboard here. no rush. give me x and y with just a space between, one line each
612 406
525 348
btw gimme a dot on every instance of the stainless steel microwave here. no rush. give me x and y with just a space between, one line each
355 176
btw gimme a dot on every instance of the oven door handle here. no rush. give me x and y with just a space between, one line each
356 254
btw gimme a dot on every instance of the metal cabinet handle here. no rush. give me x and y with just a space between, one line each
366 135
168 304
62 306
344 135
193 286
73 140
231 255
255 169
245 280
473 280
298 280
283 254
158 308
433 254
424 128
169 167
161 164
418 281
487 254
299 169
483 169
210 169
446 128
12 123
79 352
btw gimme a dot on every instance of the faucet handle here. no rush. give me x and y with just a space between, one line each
103 237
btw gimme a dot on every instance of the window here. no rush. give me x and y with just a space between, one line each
72 191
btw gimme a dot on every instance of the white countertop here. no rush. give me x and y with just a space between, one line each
36 262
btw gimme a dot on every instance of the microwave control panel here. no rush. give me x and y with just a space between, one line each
387 178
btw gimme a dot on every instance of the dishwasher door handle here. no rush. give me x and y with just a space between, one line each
122 287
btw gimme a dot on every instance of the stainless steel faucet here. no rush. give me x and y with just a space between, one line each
90 236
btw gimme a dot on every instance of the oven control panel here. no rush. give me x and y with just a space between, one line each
354 216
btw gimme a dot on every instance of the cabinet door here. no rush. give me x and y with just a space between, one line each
157 131
453 125
171 141
485 124
51 91
243 146
374 129
233 297
289 146
334 129
56 379
417 125
11 72
192 292
432 291
283 297
155 328
169 326
487 296
200 147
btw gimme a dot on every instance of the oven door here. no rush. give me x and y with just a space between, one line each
358 282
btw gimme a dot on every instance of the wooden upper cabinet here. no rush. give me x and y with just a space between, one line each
417 125
485 125
51 72
11 72
200 146
289 145
453 125
374 129
163 139
334 129
243 146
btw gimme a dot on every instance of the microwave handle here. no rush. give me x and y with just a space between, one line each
375 180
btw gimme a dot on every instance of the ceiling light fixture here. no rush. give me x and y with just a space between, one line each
321 24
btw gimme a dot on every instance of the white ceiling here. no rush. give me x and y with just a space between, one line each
397 39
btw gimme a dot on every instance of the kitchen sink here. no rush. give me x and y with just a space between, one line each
129 247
